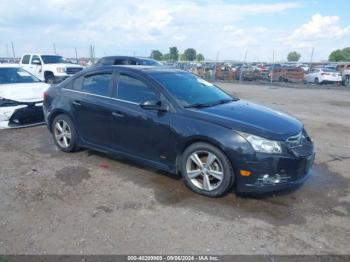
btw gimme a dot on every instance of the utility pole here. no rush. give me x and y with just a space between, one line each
76 54
7 51
54 48
245 60
218 56
13 50
311 57
273 64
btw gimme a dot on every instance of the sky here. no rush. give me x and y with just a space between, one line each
260 30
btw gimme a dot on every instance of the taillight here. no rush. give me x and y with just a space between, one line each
46 95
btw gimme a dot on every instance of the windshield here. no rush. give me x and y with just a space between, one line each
14 75
192 91
53 59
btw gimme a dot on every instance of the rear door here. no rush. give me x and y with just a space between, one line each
139 132
91 104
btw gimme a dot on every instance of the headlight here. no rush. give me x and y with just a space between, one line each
61 69
263 145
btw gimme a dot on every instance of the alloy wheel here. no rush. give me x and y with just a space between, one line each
63 134
205 170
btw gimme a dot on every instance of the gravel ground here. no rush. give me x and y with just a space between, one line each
87 203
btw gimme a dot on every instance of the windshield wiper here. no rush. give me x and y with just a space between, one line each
219 102
198 105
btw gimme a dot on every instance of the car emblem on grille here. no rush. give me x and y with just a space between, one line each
295 141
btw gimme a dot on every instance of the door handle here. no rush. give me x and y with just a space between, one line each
76 103
117 114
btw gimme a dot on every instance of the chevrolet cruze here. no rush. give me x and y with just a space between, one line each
175 121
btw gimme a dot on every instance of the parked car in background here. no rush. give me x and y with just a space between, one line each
247 73
344 71
287 74
175 121
49 68
322 75
21 97
127 60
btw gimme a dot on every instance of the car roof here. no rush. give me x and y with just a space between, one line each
125 57
8 65
148 70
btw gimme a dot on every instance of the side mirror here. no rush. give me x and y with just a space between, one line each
36 62
153 104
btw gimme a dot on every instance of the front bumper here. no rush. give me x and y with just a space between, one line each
21 116
274 173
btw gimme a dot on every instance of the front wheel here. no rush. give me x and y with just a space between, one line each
64 134
206 170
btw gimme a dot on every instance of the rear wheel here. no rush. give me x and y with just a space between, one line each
316 81
64 134
206 170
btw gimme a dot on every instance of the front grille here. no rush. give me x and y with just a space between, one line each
300 145
27 115
295 141
73 70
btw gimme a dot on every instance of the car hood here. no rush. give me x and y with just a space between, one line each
255 119
23 92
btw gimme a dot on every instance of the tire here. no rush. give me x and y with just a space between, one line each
198 183
71 144
316 81
50 79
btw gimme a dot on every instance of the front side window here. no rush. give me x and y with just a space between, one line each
25 59
133 90
97 84
13 75
190 90
35 58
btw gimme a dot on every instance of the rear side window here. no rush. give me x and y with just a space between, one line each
133 90
25 59
97 84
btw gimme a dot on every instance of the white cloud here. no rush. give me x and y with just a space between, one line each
125 27
319 27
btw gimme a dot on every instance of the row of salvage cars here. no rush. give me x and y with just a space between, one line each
274 73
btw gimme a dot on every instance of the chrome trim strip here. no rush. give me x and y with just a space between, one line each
85 93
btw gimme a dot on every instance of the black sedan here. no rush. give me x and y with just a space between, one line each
175 121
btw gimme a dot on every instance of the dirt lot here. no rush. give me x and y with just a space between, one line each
86 203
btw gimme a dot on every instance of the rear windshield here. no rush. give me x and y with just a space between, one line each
13 75
329 70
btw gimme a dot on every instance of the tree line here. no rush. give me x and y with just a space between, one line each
190 54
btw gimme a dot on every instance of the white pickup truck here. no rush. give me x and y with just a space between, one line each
49 68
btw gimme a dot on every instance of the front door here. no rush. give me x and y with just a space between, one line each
139 132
